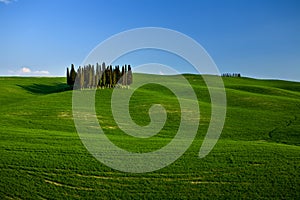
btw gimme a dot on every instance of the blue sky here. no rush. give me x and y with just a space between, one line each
256 38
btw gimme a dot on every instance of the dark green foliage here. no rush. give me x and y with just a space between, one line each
129 75
101 76
231 75
72 76
123 79
68 77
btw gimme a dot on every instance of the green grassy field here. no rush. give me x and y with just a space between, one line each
257 156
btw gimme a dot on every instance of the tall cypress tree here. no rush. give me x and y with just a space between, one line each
97 75
110 76
129 75
103 79
77 82
68 76
107 77
114 77
123 74
72 75
90 77
118 74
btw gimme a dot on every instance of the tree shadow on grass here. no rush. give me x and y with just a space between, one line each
46 89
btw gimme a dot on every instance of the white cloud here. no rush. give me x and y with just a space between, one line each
6 1
25 70
28 72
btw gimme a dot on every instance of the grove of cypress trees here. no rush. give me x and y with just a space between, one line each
100 77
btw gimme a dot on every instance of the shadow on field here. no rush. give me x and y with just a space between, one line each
46 89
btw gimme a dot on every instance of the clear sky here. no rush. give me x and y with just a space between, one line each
258 38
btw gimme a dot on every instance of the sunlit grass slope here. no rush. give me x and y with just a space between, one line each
257 156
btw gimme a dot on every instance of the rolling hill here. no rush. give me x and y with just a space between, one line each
257 156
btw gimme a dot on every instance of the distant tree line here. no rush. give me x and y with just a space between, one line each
231 75
99 76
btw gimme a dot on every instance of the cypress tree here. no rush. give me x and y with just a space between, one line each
107 77
110 77
122 75
72 75
86 77
103 78
114 81
118 74
81 77
103 75
129 75
91 76
125 75
77 82
96 80
68 76
97 75
94 77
